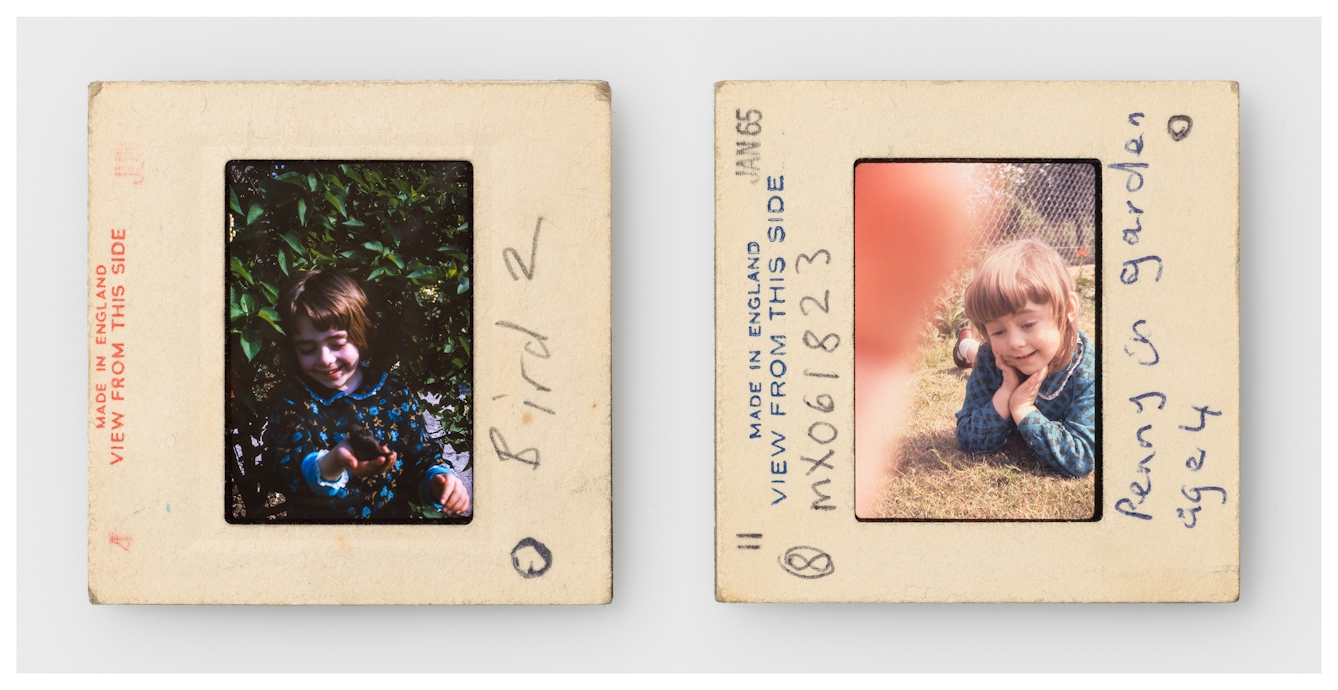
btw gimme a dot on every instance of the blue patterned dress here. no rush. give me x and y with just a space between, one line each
1061 431
306 420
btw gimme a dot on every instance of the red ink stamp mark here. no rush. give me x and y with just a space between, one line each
121 540
130 163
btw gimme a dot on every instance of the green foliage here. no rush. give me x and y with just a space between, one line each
403 229
1086 286
947 315
949 312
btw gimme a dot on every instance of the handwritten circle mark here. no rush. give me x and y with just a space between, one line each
807 562
1184 122
537 547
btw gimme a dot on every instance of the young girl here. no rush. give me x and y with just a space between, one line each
1036 372
312 433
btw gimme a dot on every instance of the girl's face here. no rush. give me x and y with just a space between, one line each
328 357
1028 338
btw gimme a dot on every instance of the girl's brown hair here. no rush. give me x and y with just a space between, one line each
332 300
1017 273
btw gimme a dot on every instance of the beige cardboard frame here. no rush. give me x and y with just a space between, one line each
156 530
808 548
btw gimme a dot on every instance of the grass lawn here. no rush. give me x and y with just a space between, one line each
937 480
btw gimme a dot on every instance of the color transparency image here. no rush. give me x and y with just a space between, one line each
976 376
349 368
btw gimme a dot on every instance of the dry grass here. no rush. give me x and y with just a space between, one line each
936 480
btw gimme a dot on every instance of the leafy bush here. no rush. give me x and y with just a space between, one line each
948 313
402 228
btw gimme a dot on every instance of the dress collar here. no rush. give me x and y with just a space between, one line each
364 390
1058 380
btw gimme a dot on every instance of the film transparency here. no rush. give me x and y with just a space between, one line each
977 341
336 355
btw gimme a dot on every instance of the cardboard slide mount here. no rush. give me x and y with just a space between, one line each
1169 148
156 530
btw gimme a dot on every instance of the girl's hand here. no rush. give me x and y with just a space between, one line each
1023 400
1004 396
450 492
341 458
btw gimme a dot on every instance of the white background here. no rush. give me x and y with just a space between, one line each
664 617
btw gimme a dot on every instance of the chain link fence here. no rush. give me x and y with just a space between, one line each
1051 202
1054 203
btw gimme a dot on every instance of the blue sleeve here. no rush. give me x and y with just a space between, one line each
311 471
1067 444
980 429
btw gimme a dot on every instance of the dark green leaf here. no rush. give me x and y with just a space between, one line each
464 285
374 246
233 203
395 258
272 318
311 181
292 178
377 273
353 173
253 213
271 293
291 239
239 270
422 272
333 182
250 345
336 202
283 262
353 222
248 303
302 211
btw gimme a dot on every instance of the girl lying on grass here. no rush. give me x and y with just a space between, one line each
1036 372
